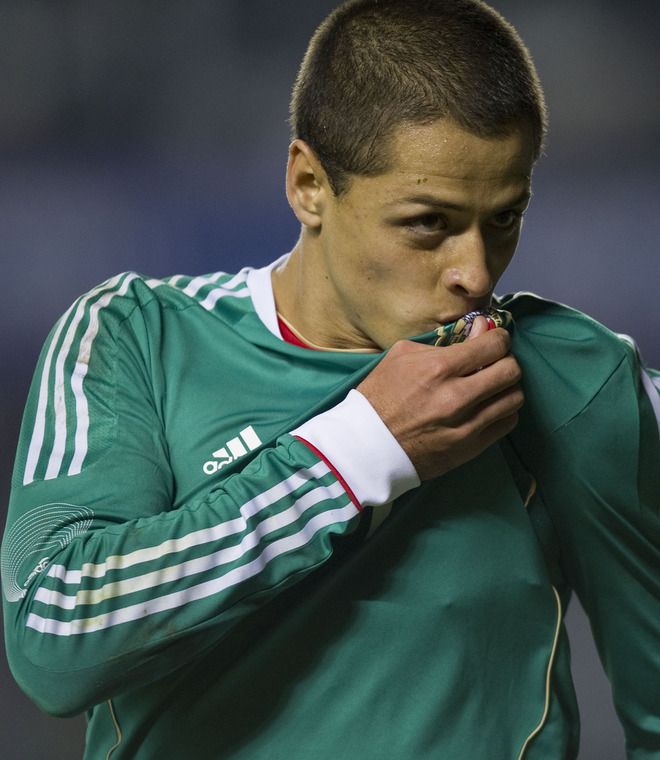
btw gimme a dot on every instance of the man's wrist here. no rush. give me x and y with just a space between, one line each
357 443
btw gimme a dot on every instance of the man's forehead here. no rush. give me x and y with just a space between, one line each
444 149
445 201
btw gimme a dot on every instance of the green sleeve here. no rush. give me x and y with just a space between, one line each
106 585
606 507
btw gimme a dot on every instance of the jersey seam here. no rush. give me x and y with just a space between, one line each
119 736
548 678
587 404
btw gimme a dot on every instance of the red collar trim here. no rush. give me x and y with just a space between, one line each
290 337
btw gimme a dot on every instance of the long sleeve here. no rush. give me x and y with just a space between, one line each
109 579
605 504
617 570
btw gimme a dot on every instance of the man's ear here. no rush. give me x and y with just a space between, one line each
307 186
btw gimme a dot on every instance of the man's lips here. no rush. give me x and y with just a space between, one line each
458 330
480 311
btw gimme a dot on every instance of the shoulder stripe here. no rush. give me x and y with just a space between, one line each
38 432
233 285
215 295
53 390
54 384
197 283
154 282
652 388
39 429
59 444
650 383
79 373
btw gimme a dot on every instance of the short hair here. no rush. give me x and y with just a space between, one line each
374 65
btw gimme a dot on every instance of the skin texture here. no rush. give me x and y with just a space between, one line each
401 252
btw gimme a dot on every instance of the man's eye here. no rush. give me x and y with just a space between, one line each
506 220
427 223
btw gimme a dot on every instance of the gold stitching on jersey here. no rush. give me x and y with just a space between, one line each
548 677
115 722
531 492
316 347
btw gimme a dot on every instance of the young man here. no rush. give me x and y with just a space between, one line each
252 519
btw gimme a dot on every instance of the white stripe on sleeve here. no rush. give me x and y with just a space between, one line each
38 432
178 599
652 388
196 538
195 566
79 374
59 401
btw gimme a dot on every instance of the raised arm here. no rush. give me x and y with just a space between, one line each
106 584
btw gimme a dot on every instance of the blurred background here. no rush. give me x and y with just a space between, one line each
152 136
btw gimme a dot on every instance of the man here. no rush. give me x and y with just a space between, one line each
252 519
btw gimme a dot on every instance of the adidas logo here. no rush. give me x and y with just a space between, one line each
246 440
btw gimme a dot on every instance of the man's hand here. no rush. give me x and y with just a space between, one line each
447 405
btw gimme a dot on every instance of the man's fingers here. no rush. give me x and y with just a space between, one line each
477 408
492 379
402 347
462 398
497 418
453 381
498 430
479 327
500 407
446 405
464 358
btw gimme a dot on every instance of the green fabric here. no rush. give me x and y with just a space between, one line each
591 439
429 639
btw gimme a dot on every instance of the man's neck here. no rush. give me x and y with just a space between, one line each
305 299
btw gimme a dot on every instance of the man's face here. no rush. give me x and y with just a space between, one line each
428 240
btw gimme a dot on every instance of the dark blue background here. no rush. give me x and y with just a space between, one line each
153 137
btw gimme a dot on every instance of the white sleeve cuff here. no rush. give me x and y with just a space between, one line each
360 446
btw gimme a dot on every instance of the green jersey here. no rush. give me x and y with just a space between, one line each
217 549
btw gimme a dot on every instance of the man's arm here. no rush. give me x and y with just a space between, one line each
111 607
603 488
618 581
106 585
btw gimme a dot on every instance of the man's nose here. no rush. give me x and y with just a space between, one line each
468 274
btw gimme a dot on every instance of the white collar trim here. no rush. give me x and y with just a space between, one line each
260 285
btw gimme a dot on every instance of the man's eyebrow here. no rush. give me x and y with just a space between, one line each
430 200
